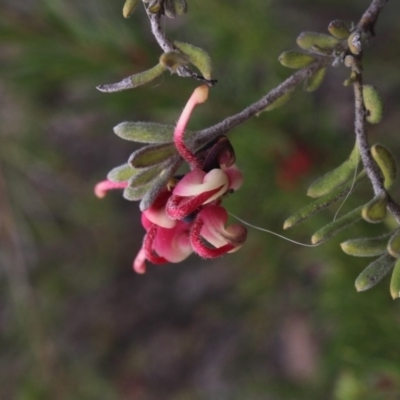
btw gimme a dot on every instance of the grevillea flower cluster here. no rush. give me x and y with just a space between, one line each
187 215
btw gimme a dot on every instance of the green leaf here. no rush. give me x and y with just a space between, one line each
121 173
395 281
386 162
373 103
295 59
336 226
366 247
374 273
375 210
321 203
314 82
144 176
151 155
197 56
337 177
133 81
315 41
159 184
129 7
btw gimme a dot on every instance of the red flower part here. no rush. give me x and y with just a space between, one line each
209 226
179 207
235 177
199 96
161 245
101 189
195 189
148 246
157 214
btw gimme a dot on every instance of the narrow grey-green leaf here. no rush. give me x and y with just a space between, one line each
321 203
375 272
336 226
133 81
121 173
159 184
151 155
135 194
146 175
145 132
366 247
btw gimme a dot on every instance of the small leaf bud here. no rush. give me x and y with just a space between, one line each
393 247
386 162
314 82
173 60
295 59
354 43
315 41
197 56
129 7
375 210
338 29
373 103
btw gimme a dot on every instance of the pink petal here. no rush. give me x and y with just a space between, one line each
235 177
156 213
101 189
210 225
148 246
173 244
197 181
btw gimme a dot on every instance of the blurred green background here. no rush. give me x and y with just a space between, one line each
272 321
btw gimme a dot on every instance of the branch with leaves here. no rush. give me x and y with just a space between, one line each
184 214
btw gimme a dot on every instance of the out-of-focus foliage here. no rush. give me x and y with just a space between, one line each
272 321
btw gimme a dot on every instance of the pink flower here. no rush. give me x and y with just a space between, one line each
188 217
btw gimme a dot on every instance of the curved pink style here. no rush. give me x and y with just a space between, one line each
101 189
199 96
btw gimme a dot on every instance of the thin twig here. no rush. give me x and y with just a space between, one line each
208 134
167 45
